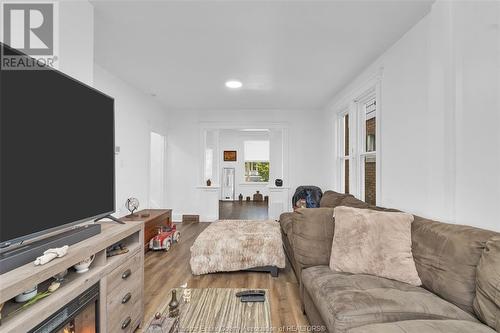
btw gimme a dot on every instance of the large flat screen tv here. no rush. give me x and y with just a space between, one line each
57 163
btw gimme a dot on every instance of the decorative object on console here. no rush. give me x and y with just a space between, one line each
83 266
27 295
240 197
156 219
278 182
36 297
132 204
59 277
258 197
248 198
51 254
186 295
116 249
173 306
209 182
166 237
230 155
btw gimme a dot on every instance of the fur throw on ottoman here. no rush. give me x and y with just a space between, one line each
234 245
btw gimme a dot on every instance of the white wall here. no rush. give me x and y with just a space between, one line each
440 144
307 161
76 40
136 115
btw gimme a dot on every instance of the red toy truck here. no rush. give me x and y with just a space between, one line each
165 238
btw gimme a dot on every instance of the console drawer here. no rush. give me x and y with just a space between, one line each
124 307
126 273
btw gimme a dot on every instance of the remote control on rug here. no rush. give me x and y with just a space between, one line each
255 298
251 293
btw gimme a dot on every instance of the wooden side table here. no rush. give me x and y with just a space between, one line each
153 219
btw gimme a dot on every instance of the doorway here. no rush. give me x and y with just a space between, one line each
157 170
257 152
245 210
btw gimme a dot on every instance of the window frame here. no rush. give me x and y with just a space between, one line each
341 156
361 153
357 142
245 161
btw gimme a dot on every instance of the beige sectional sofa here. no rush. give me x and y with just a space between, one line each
459 267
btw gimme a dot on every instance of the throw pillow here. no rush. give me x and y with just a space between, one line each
373 242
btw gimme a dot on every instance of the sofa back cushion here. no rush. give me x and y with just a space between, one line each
350 201
446 257
312 230
332 199
373 242
487 301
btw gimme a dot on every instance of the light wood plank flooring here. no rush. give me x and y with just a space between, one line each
166 270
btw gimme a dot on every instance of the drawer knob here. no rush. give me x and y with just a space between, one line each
126 298
126 274
126 322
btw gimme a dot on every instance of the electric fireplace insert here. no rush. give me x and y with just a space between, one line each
81 315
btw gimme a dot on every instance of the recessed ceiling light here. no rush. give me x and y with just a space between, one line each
254 130
234 84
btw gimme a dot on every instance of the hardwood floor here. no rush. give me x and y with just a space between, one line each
246 210
166 270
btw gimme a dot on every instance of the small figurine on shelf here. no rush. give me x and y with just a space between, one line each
209 182
173 306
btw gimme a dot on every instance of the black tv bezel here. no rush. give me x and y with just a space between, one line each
8 244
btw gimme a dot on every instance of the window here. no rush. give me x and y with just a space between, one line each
368 154
344 152
357 149
256 161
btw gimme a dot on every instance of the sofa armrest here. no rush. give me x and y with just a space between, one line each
286 222
312 236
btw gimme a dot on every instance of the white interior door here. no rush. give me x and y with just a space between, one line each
157 171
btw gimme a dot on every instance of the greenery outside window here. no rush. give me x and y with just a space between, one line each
256 172
256 161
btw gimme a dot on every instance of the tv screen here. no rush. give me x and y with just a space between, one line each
57 159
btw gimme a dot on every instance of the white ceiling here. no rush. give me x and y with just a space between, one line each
288 54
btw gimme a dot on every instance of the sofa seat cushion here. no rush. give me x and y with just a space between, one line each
347 300
425 326
286 222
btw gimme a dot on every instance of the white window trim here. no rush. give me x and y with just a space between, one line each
361 141
357 142
340 154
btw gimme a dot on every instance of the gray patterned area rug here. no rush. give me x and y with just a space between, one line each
217 310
